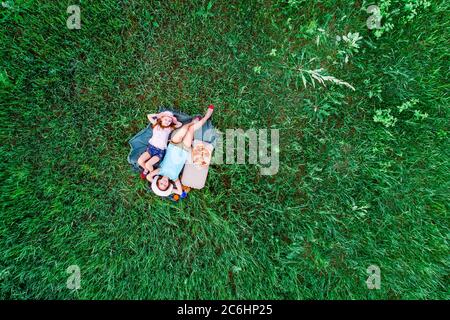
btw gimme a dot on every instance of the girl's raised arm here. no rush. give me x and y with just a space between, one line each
177 123
152 117
178 189
152 174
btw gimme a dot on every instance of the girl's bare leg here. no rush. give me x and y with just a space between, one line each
149 164
186 133
189 137
197 125
178 136
143 159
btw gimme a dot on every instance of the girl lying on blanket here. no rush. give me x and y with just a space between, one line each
166 176
163 124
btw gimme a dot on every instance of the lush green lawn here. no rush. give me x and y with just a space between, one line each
355 187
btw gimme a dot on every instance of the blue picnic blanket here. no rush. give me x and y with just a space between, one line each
139 142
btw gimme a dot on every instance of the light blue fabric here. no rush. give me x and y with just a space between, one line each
173 162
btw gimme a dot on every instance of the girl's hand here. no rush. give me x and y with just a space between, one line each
178 188
152 118
176 122
152 174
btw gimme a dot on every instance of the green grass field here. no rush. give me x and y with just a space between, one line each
363 177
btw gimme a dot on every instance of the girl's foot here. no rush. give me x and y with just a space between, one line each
144 174
209 111
199 118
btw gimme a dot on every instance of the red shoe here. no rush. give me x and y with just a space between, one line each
211 106
143 175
